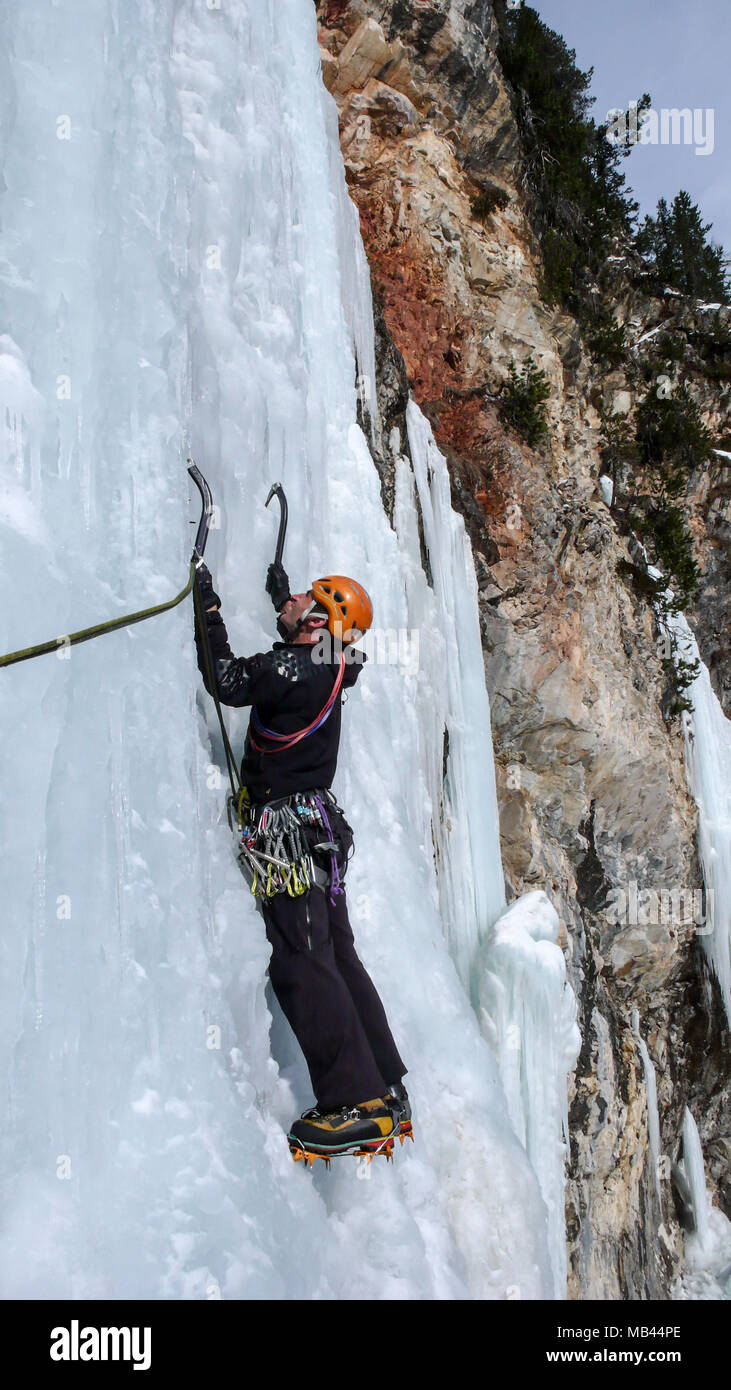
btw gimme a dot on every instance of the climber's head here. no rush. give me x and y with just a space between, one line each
341 605
346 604
301 618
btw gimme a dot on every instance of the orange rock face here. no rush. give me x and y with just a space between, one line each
591 782
443 277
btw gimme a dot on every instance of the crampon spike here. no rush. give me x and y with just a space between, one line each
384 1150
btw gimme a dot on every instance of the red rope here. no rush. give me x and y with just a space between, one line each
286 741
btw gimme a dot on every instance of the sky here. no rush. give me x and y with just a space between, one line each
680 52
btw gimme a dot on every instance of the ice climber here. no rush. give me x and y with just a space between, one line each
295 844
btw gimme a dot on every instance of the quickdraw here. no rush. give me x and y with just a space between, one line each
274 851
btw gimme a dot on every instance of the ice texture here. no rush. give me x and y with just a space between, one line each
707 734
653 1114
181 272
529 1012
708 1248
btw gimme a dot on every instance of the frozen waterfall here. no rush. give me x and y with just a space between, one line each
707 734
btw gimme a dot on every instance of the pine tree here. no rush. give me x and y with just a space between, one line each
581 201
675 244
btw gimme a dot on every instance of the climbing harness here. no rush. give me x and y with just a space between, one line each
281 844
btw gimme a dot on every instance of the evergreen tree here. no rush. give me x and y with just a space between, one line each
580 193
671 442
680 255
523 401
672 439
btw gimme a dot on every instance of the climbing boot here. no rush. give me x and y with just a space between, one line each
366 1129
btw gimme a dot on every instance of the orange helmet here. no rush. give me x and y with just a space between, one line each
349 609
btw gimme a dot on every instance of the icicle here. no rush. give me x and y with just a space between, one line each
465 828
653 1118
529 1014
694 1173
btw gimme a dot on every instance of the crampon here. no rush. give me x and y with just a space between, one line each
363 1131
384 1148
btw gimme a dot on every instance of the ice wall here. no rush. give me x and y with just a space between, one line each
707 734
180 272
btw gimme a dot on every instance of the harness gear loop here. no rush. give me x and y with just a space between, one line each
276 854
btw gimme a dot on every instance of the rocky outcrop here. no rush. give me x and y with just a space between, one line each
685 343
592 788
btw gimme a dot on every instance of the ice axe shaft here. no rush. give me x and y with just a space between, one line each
278 491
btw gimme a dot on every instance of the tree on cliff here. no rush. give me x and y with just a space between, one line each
676 244
580 196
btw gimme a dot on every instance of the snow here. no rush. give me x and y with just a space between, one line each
607 486
722 453
184 275
650 334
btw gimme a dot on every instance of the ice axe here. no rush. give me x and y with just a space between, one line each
277 490
206 514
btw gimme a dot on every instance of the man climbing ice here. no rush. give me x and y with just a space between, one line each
295 843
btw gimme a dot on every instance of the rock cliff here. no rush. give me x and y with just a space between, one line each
593 794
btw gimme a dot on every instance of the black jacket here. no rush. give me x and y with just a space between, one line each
289 690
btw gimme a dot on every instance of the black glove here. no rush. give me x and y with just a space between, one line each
277 585
209 597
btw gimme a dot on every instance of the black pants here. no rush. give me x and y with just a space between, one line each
329 999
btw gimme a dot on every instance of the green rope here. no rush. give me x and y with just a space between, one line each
87 633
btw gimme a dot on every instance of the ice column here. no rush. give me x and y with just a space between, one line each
653 1118
708 761
529 1014
465 821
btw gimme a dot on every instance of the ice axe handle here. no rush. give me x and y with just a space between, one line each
278 491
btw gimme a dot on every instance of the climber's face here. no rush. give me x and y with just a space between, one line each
295 608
